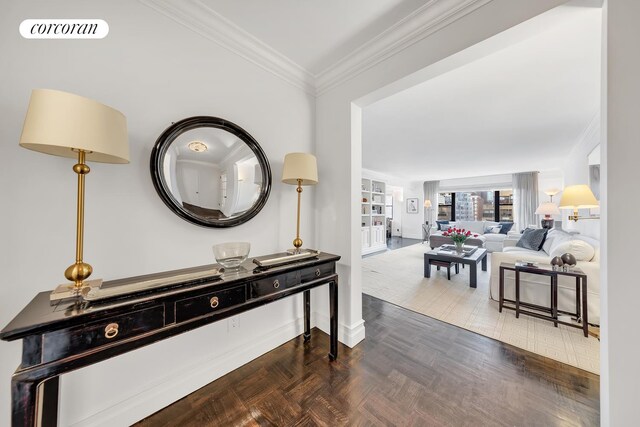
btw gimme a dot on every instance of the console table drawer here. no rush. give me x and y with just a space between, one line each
312 273
76 340
274 284
209 303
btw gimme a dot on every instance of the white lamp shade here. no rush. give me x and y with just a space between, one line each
427 203
578 197
300 166
547 208
58 122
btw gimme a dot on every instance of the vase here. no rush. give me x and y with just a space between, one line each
459 248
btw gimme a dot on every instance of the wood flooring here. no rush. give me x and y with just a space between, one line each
411 370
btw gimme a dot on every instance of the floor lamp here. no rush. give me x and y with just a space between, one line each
68 125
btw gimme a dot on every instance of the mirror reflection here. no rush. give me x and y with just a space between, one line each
213 173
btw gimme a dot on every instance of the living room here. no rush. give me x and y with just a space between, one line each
478 177
296 343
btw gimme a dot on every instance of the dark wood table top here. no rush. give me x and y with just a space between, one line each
40 314
542 269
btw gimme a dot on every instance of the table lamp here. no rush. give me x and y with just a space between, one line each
547 209
578 197
299 169
68 125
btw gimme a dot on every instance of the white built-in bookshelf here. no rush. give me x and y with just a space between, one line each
374 233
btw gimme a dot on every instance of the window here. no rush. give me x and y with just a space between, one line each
489 205
389 206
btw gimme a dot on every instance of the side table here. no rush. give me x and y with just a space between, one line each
581 313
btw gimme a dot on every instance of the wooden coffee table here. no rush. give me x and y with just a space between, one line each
472 260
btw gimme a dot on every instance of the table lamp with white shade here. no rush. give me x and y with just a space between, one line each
68 125
299 169
578 197
547 209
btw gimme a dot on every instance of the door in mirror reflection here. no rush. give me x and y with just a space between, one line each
212 175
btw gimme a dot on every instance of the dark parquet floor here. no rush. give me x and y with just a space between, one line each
410 370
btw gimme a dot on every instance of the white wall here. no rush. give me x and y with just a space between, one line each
620 339
412 223
576 171
156 72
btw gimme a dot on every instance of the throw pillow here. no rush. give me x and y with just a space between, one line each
492 229
506 227
578 248
532 239
443 225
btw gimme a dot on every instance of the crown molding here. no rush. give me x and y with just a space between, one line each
203 20
429 18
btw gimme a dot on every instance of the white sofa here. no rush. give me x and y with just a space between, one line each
535 288
493 242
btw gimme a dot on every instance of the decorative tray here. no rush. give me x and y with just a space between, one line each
285 257
160 281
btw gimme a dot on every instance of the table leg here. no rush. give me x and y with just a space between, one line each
517 294
501 299
554 299
307 315
427 266
578 299
473 275
27 395
484 262
333 308
585 312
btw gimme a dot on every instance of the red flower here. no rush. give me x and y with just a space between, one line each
475 235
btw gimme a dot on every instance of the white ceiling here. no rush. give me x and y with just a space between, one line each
315 34
521 108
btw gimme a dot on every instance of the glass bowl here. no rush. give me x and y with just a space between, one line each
231 255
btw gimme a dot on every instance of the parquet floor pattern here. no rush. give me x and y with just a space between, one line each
411 370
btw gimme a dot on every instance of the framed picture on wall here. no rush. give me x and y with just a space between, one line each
412 206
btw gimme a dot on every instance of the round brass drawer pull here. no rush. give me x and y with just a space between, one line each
276 283
214 302
111 330
317 272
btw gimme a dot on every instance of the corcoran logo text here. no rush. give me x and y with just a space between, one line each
64 29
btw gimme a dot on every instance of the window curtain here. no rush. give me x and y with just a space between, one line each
431 193
525 198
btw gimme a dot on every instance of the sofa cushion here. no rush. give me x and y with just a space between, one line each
505 227
442 223
578 248
473 226
494 237
532 238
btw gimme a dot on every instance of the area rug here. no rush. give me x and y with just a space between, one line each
397 276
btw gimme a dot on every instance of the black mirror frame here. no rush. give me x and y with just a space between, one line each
171 133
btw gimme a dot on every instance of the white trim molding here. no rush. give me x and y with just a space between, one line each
200 18
348 335
429 18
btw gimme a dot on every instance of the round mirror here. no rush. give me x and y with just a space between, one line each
210 172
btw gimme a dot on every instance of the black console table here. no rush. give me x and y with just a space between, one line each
70 335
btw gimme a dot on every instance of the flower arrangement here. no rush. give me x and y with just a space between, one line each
458 235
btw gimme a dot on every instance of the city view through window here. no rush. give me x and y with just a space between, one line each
490 205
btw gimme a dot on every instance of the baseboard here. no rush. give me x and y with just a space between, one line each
348 335
190 378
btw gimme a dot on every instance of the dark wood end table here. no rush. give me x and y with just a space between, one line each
581 313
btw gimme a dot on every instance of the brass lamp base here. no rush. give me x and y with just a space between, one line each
71 291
